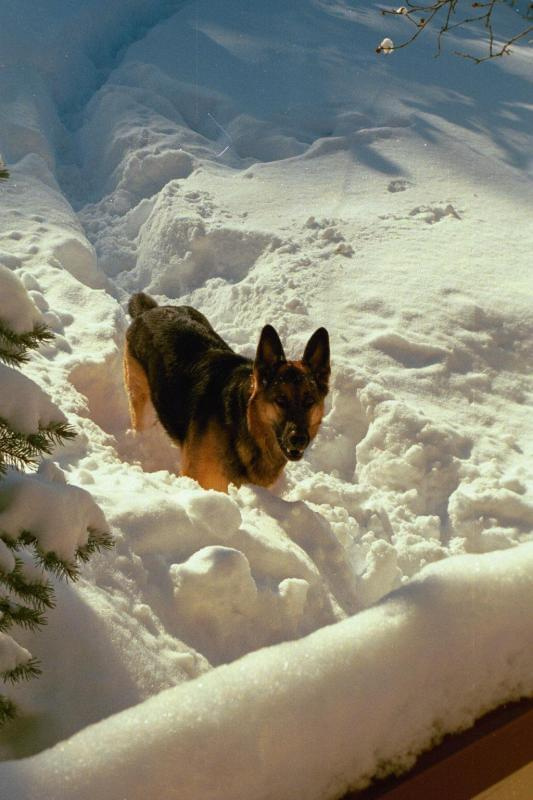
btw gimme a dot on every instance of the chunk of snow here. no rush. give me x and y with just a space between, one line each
59 515
24 405
17 311
386 46
12 655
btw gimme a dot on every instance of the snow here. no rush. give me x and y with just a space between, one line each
17 311
60 516
12 654
261 163
35 411
294 720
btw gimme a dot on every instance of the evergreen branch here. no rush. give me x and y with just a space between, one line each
13 346
57 566
56 432
19 449
15 614
69 570
39 593
97 541
49 560
25 671
7 710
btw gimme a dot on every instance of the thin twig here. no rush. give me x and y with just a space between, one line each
422 14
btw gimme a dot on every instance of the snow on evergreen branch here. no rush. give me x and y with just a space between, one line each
58 525
14 346
38 592
12 613
24 450
24 671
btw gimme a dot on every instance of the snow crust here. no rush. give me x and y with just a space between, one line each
261 163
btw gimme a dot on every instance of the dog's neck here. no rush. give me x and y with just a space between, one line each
259 451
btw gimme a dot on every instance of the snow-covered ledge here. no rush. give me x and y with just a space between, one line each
314 717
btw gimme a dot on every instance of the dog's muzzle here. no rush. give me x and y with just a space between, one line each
293 443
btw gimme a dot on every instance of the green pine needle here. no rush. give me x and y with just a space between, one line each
22 672
96 542
14 346
24 450
29 339
39 593
15 614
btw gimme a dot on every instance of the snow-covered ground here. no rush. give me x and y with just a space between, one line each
260 162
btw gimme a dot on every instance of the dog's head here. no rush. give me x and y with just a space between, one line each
288 396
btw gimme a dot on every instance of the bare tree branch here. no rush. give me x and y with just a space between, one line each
448 15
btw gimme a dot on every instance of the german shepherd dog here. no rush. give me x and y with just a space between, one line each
235 420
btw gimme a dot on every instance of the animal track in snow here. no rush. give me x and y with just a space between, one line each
433 214
399 185
326 233
413 355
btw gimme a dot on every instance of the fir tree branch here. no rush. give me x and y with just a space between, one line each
19 449
14 346
39 593
16 614
69 570
97 541
29 669
56 432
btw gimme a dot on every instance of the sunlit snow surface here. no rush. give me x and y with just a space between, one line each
259 162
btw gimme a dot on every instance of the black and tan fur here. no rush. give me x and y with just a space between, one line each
236 420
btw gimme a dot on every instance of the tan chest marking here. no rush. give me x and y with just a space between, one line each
202 458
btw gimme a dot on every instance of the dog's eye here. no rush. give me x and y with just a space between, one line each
281 401
308 401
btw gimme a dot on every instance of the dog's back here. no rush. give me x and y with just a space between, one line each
188 366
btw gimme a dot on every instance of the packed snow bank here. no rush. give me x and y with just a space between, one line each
315 717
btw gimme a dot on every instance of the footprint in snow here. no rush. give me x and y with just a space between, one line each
413 355
399 185
433 214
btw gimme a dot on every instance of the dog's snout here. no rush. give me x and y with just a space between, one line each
298 440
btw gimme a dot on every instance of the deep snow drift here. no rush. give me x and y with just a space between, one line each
262 164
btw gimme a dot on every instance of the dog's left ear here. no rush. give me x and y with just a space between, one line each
269 354
316 357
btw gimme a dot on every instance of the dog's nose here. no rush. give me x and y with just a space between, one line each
298 441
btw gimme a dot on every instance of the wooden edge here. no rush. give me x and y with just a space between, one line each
465 764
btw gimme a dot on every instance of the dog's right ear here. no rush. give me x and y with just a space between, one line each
269 354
